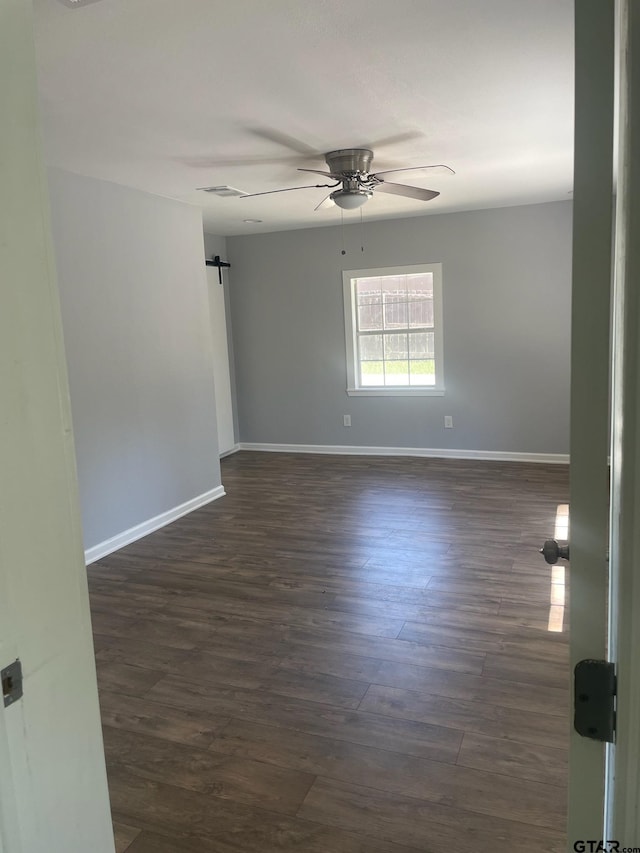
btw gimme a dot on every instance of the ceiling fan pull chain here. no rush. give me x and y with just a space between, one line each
361 232
342 230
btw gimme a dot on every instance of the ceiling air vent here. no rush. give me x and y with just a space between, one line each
223 191
75 4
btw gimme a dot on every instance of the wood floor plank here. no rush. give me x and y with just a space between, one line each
475 688
124 836
200 822
319 755
410 736
492 720
161 720
138 652
440 828
241 780
351 594
521 622
204 665
525 761
125 678
551 673
323 840
302 617
470 639
341 690
400 651
309 660
318 687
537 616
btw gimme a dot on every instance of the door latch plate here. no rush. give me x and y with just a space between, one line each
594 694
11 683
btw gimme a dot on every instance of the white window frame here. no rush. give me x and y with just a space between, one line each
354 389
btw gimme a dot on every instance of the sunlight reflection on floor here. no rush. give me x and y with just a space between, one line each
558 592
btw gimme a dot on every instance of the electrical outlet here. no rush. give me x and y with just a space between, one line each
346 420
448 421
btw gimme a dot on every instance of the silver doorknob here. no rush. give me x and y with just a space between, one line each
552 551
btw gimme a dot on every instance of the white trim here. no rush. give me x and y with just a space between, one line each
432 452
231 451
622 793
102 549
395 392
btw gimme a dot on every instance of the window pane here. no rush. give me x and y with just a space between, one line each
370 347
394 285
370 356
371 373
423 372
369 317
396 373
421 313
395 312
394 297
368 291
395 347
420 286
421 345
396 364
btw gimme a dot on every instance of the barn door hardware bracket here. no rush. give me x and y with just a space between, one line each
595 699
216 262
11 683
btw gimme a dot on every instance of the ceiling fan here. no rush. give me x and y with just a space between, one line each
354 183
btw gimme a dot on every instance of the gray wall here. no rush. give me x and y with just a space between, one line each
135 316
215 245
507 277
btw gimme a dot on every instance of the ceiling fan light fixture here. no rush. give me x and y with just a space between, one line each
350 200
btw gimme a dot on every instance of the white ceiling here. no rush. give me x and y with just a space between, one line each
170 95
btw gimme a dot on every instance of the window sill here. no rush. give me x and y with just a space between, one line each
395 392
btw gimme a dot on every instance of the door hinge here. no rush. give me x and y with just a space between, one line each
595 699
11 683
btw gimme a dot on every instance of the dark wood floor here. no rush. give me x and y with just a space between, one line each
344 655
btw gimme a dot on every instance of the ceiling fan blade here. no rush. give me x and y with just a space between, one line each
301 148
396 139
319 172
230 162
326 202
410 192
445 169
287 190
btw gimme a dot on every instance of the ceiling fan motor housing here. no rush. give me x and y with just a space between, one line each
355 160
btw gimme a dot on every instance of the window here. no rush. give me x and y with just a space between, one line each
393 320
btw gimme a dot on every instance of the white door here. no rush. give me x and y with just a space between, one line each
603 802
53 792
221 366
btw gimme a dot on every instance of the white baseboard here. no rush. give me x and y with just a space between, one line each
102 549
230 452
433 452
